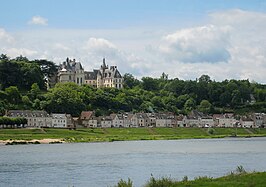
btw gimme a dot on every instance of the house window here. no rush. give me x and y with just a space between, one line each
81 80
69 77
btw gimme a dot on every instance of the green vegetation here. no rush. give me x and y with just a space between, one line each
239 178
125 134
22 86
12 121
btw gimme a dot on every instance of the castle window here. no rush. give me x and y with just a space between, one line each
77 80
81 80
109 74
69 77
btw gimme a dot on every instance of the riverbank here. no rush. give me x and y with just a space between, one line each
49 135
257 179
34 141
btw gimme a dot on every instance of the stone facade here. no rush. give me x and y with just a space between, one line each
72 71
104 77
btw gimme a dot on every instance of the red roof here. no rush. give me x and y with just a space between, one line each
86 114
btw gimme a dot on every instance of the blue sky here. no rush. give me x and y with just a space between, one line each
116 13
184 38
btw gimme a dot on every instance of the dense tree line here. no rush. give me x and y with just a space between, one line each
22 73
148 94
12 121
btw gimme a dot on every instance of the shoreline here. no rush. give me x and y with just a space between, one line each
59 141
33 141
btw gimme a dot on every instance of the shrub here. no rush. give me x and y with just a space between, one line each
123 183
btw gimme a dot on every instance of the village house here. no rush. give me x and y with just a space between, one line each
35 118
88 119
117 120
179 121
165 120
127 119
192 120
62 121
152 118
224 120
258 119
105 122
140 120
206 121
247 122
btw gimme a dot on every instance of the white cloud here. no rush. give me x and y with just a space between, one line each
5 37
14 52
231 44
38 20
200 44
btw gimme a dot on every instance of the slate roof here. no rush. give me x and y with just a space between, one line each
27 113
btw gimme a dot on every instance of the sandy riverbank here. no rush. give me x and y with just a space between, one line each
42 141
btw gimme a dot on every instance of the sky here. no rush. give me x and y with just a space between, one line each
183 38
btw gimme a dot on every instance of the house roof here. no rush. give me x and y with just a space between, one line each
86 114
27 113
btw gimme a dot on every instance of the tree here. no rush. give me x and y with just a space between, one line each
130 81
149 84
190 105
205 78
13 95
35 91
65 98
205 106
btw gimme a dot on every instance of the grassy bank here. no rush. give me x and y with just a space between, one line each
121 134
255 179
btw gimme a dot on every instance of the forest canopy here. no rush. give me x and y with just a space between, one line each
23 86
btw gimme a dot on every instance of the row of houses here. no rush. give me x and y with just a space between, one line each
41 119
194 119
88 119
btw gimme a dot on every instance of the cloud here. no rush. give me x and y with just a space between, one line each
200 44
38 20
229 45
101 46
5 37
14 52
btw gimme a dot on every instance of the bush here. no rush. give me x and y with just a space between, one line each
210 130
162 182
123 183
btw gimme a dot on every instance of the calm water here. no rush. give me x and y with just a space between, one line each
103 164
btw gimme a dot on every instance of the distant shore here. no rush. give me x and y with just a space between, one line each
52 135
34 141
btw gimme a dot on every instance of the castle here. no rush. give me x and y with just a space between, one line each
72 71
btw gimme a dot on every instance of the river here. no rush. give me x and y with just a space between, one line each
104 164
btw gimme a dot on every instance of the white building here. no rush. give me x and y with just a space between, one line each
224 120
117 120
106 122
71 71
35 118
62 121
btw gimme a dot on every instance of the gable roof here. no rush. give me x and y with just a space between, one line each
86 114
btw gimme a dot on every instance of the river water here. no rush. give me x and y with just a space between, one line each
104 164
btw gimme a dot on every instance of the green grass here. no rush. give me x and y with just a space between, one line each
121 134
256 179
